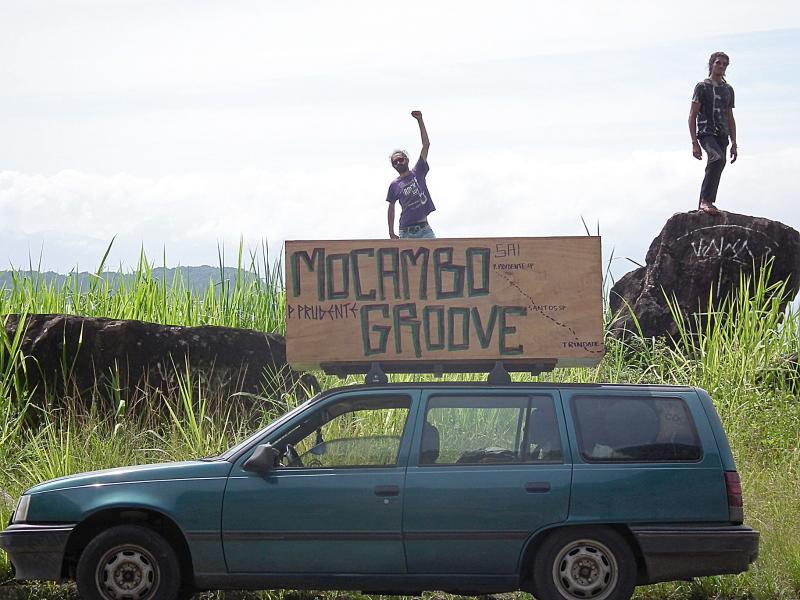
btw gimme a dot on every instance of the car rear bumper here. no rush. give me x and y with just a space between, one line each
683 552
36 551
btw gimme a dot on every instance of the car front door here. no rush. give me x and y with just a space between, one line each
487 469
335 503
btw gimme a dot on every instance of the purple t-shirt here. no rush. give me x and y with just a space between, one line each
412 192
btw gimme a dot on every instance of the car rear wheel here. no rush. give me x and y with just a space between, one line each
582 563
128 562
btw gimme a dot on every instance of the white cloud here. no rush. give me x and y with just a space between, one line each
183 124
505 195
84 46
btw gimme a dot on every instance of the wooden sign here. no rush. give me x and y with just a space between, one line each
444 304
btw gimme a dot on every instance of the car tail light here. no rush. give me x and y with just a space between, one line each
734 486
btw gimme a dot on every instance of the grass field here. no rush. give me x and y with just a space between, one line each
740 356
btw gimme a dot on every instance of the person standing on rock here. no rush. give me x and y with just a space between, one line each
711 124
411 190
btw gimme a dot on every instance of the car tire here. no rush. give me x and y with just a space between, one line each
584 563
128 561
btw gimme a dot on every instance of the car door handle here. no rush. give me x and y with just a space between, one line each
387 490
537 487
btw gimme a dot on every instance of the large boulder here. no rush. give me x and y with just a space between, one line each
698 257
68 354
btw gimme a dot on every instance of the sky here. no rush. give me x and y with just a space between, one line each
184 128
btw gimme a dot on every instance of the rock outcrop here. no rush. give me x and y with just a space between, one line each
699 256
67 354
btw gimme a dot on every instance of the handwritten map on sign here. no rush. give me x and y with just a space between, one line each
445 300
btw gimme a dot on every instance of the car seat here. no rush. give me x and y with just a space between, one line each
544 434
429 451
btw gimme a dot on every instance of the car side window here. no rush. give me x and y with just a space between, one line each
631 429
479 431
353 433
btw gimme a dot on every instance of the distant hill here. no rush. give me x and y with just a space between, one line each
197 279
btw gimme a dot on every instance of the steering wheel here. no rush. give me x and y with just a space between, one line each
292 457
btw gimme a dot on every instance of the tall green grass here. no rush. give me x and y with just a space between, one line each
254 299
740 354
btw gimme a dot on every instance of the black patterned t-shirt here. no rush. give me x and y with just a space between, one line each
715 102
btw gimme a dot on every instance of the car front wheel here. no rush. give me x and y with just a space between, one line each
128 561
582 563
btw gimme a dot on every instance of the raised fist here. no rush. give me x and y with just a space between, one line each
417 114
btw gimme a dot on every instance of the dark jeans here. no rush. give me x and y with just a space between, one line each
715 146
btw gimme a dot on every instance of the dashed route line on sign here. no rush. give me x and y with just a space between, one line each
532 306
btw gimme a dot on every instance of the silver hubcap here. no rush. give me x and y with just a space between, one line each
127 573
585 570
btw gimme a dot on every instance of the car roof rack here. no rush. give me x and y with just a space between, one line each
376 373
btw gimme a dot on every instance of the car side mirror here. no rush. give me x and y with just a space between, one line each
264 459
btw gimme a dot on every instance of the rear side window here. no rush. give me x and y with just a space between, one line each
629 429
482 431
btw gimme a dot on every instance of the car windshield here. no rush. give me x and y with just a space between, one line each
261 432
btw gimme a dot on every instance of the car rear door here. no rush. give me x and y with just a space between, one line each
487 469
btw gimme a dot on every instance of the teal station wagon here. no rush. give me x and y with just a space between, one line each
569 491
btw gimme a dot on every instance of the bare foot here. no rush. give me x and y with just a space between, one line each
708 207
